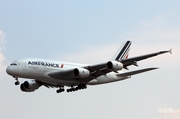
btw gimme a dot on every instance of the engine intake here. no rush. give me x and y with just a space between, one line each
81 73
114 65
29 86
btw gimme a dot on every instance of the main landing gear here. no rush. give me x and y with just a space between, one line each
79 87
72 89
17 82
61 89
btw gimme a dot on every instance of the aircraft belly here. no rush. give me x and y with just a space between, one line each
111 77
59 81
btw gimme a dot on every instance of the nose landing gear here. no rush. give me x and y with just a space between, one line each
17 82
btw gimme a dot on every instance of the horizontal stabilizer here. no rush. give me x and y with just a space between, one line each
136 72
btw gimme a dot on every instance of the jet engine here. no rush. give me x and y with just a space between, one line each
29 86
114 65
81 73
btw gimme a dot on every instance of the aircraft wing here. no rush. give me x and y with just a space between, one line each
94 75
133 60
101 69
135 72
98 69
95 71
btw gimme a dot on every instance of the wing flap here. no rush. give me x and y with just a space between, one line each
95 71
136 72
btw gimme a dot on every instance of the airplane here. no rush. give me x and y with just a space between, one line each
58 74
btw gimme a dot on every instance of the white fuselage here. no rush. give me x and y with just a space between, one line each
50 73
39 69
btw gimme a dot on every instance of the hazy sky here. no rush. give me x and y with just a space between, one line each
91 32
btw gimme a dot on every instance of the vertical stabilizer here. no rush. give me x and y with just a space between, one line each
123 51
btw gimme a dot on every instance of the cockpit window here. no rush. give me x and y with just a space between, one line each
13 64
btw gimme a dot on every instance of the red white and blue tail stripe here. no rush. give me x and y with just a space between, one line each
123 51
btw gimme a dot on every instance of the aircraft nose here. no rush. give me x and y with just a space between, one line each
9 70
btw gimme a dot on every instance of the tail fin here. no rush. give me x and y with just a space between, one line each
123 51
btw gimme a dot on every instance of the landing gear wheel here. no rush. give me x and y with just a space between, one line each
82 86
79 87
57 91
17 83
61 89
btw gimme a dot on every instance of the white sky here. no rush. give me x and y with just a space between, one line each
91 32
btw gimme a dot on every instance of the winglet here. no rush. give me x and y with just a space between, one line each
170 51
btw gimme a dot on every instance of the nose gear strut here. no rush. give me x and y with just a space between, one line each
17 82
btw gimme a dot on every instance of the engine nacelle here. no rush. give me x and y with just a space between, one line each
81 73
114 65
29 86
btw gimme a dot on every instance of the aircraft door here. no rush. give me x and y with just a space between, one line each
24 65
44 68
